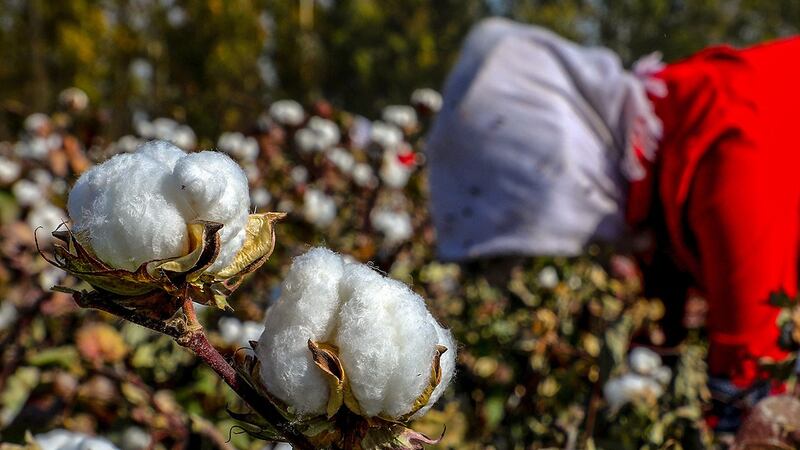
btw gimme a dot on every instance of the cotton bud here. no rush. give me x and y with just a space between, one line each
363 175
318 208
342 159
61 439
427 98
386 135
629 388
135 207
9 171
548 277
287 112
644 361
260 197
393 358
401 116
393 172
27 193
395 226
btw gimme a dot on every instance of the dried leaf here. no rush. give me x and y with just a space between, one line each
435 379
326 357
258 245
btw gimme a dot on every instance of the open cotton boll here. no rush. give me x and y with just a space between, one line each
402 116
184 137
305 310
260 197
630 387
8 314
342 159
385 336
394 173
644 361
287 112
35 122
299 175
363 175
9 171
318 208
548 277
327 131
395 226
27 193
46 216
427 98
135 207
386 135
61 439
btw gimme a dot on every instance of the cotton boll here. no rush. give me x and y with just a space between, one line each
394 173
427 98
126 208
50 277
164 127
260 197
548 277
183 136
318 208
447 363
216 190
229 142
396 227
385 336
8 314
9 171
27 193
251 331
162 152
299 175
306 140
327 132
144 128
342 159
386 135
644 361
363 175
73 99
127 144
401 116
61 439
36 123
230 328
309 300
46 216
135 438
663 375
238 146
630 387
287 112
386 341
42 178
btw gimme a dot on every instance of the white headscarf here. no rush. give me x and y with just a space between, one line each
532 150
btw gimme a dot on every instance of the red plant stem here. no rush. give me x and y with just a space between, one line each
191 336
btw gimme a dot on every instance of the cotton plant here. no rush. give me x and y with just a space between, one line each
345 341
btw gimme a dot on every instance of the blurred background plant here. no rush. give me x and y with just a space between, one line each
546 356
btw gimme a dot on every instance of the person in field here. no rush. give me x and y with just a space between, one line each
543 146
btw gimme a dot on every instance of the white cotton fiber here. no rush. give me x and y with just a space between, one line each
427 98
402 116
287 112
46 216
135 207
385 336
318 208
61 439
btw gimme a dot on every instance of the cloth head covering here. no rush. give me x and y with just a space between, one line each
533 147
